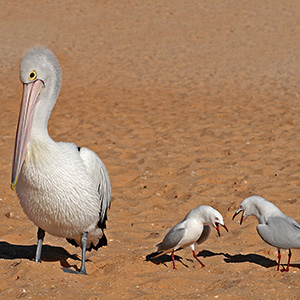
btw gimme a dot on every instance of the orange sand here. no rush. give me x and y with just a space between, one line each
187 103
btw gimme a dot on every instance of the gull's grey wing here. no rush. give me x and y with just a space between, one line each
281 232
293 222
204 235
172 239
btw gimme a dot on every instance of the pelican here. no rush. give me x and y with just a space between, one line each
63 189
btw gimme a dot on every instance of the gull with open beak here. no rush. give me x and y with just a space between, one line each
63 189
193 229
275 228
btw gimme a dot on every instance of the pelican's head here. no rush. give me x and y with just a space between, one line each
40 74
40 64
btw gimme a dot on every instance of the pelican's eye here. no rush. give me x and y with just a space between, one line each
32 75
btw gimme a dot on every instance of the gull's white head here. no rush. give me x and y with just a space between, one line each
208 215
258 207
40 74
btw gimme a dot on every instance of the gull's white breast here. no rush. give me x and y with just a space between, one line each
193 231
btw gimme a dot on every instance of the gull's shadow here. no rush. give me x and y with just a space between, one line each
240 258
162 259
49 253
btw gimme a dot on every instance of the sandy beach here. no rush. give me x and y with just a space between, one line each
187 103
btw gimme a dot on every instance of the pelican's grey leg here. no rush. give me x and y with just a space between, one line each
40 236
84 241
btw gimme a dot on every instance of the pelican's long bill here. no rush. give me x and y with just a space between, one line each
31 92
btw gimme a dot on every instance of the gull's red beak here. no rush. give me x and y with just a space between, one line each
218 229
237 212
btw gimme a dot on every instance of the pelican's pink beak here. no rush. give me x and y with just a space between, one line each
31 92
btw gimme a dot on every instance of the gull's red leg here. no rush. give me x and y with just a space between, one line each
201 263
172 255
289 260
279 258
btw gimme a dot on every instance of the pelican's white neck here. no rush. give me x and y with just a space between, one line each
44 106
39 129
41 76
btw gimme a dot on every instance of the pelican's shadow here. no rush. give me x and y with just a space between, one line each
49 253
240 258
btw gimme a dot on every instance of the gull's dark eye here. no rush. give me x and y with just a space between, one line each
32 75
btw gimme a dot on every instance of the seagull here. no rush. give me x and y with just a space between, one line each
193 229
275 228
63 189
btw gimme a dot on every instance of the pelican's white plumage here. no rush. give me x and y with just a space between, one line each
63 189
193 229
